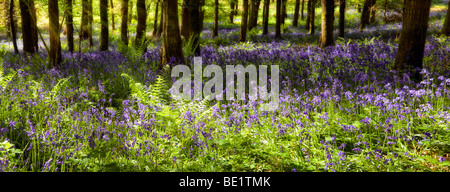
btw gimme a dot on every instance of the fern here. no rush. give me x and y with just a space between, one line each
4 80
58 87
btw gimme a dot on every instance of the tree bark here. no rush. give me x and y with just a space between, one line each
308 14
12 26
69 25
171 44
55 43
342 18
413 36
130 12
84 20
185 30
34 26
266 17
124 24
91 20
326 36
155 21
27 29
161 20
112 16
278 20
302 8
233 4
142 24
195 21
283 12
312 27
215 31
373 13
365 16
243 36
446 27
296 10
104 25
254 9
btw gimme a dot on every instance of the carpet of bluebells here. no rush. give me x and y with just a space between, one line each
341 109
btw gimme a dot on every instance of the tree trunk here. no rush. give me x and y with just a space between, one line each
202 14
233 10
302 8
155 21
254 9
142 24
413 36
326 36
278 20
84 20
341 18
283 12
308 14
69 25
34 26
91 20
244 18
373 14
12 26
312 27
6 6
124 24
130 12
195 21
161 20
55 43
296 10
266 17
365 16
104 25
215 31
171 44
27 27
446 27
185 30
112 16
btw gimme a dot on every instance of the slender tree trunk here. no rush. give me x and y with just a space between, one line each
171 45
296 10
6 6
91 20
12 26
266 17
142 24
308 14
195 21
130 12
34 26
244 18
283 12
215 31
84 20
155 21
104 25
312 27
365 16
27 27
55 43
185 30
302 8
373 13
446 27
413 36
161 20
69 25
202 14
341 18
112 16
254 9
278 20
233 10
124 24
326 36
